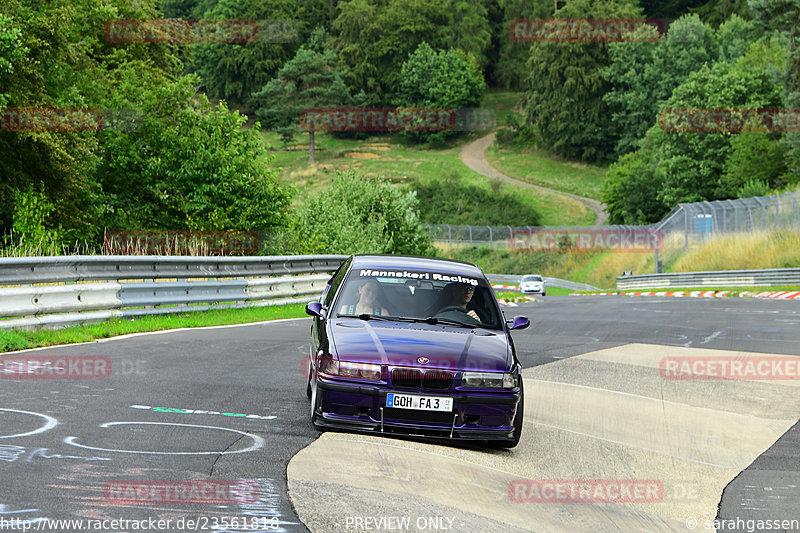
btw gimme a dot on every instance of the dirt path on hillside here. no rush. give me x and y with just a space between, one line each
474 156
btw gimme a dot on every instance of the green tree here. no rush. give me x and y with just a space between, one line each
565 87
784 16
688 166
510 71
374 38
468 24
643 74
446 79
630 190
755 155
363 215
311 79
234 71
693 162
187 165
734 37
11 50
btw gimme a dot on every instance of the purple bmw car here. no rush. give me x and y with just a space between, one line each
415 346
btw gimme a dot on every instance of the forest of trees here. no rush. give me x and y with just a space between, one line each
176 149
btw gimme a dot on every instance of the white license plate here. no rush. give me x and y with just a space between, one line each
422 403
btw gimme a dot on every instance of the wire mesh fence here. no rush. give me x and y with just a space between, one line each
688 224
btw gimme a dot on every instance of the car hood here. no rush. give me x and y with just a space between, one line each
401 344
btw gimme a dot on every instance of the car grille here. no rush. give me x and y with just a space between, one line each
410 378
436 417
437 380
406 378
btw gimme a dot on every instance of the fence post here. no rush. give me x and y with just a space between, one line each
685 228
491 240
449 235
794 202
656 253
777 213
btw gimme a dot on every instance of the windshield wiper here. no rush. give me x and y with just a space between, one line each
432 320
366 316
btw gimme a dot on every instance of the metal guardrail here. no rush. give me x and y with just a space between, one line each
730 278
87 289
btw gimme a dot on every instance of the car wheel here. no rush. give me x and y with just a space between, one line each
518 419
544 293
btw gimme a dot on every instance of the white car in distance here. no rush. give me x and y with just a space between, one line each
533 283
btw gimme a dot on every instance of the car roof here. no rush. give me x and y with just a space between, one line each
415 262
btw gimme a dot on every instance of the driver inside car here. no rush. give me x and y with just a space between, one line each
460 295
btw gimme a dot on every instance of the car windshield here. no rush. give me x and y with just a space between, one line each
532 278
450 299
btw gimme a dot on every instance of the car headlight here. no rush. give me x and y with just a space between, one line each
344 369
490 380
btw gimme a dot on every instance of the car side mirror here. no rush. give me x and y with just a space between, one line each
316 309
518 322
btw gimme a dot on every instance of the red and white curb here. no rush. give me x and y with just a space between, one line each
506 287
514 288
783 295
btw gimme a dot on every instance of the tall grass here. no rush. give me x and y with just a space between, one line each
47 244
743 251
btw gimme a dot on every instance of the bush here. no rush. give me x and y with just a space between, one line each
362 215
753 188
451 200
448 79
754 157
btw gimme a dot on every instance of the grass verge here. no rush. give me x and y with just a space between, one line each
11 340
541 168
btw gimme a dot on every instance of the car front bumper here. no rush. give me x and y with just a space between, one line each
362 407
532 289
